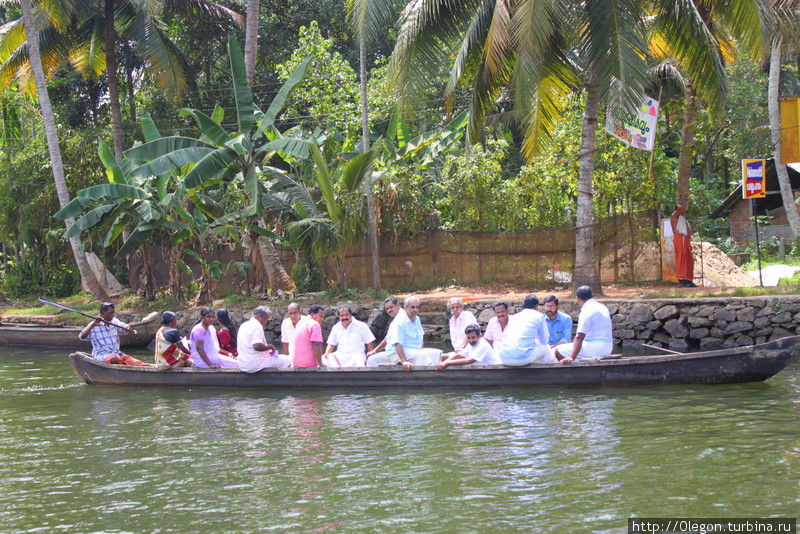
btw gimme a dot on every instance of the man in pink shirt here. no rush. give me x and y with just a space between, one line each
308 346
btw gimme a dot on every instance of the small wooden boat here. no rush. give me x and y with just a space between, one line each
62 337
743 364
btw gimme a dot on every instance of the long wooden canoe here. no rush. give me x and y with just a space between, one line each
63 337
743 364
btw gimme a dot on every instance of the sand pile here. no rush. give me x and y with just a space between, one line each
716 268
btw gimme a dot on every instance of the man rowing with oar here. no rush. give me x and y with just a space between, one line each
104 336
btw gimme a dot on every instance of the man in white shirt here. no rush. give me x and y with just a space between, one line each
288 326
593 337
526 336
255 353
459 320
477 351
392 308
348 342
497 324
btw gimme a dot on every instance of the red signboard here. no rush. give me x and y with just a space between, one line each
754 178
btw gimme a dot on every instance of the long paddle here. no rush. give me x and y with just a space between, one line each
43 301
662 348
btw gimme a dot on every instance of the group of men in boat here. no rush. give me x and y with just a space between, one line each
526 337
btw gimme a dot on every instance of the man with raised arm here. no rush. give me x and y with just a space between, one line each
255 353
404 340
459 320
104 336
525 339
348 341
594 337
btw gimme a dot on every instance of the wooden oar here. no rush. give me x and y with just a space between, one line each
43 301
662 348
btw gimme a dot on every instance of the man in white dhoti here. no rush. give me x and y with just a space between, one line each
348 341
525 339
404 340
593 337
288 327
255 353
459 320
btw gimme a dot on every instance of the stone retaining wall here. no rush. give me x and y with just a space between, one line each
679 324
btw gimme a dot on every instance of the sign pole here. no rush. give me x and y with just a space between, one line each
754 186
758 246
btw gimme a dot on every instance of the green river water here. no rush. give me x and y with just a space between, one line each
78 458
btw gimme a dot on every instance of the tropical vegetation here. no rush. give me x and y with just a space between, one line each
355 121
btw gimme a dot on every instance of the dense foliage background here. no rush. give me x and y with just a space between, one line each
488 187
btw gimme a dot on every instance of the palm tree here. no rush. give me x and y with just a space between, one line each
86 37
87 276
368 17
699 52
537 53
251 39
785 18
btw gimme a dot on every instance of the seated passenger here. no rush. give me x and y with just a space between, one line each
226 335
168 321
594 337
496 326
255 353
293 315
525 338
105 338
205 345
404 340
307 342
559 324
175 354
392 307
459 320
477 351
347 341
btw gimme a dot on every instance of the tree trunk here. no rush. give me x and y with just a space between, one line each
251 40
131 94
110 38
585 272
278 278
789 203
87 276
372 224
687 140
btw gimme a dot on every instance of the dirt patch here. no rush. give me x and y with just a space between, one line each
717 269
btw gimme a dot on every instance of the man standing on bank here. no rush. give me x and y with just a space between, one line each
593 338
682 240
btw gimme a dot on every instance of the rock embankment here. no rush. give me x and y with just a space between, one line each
679 324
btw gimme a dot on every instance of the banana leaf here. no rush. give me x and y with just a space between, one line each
210 167
113 171
245 108
266 120
173 160
210 128
90 220
161 146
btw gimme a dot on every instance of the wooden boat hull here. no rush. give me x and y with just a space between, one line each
61 337
743 364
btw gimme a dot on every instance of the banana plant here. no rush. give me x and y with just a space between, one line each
220 156
155 210
423 149
329 216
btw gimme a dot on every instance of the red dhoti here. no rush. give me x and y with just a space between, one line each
124 359
684 260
